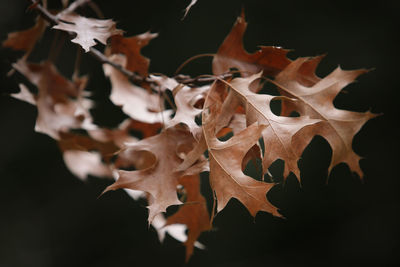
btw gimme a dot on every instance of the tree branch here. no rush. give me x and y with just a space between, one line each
54 20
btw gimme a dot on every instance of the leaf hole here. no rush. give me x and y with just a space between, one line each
225 136
276 106
294 114
269 89
275 171
136 133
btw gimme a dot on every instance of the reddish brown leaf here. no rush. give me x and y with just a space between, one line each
25 40
231 54
226 176
193 213
130 47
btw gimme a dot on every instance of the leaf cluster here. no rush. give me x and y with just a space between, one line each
216 123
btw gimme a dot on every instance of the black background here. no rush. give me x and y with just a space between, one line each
50 218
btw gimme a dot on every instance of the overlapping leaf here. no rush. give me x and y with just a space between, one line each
193 214
137 102
61 103
226 176
159 179
338 126
278 136
87 29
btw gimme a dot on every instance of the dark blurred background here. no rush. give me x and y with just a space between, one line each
48 217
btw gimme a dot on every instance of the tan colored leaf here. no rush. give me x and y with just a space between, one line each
278 136
338 126
226 176
25 95
87 29
185 100
60 102
193 213
85 163
159 179
136 102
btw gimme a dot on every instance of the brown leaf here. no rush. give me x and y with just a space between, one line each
193 213
338 126
136 102
226 176
159 179
130 47
269 59
25 40
185 100
231 54
60 102
278 136
87 29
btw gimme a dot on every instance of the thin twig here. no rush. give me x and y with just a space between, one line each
104 60
93 51
72 7
190 60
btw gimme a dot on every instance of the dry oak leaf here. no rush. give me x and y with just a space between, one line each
176 231
137 102
87 29
185 99
193 213
91 155
231 54
278 136
226 176
338 126
85 163
25 40
159 179
60 102
130 47
269 59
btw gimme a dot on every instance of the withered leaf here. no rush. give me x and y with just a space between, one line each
137 102
269 59
87 29
226 176
85 163
338 126
186 112
60 102
25 40
159 179
130 47
278 136
193 213
231 54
